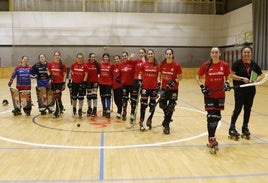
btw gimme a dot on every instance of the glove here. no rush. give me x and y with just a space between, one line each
117 79
158 86
204 90
69 84
171 83
63 86
140 82
227 86
9 83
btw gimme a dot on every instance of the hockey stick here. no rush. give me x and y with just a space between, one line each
258 83
254 83
151 112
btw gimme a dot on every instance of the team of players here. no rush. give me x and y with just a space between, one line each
144 77
131 80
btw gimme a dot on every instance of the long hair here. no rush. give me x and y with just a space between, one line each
60 63
97 65
168 49
210 60
155 61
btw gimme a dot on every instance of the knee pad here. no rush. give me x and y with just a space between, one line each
74 97
80 97
94 96
152 106
170 108
144 105
89 96
108 96
213 116
162 103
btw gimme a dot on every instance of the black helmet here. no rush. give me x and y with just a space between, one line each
4 102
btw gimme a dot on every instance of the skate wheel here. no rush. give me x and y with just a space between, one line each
233 138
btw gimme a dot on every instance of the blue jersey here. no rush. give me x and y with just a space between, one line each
23 75
40 71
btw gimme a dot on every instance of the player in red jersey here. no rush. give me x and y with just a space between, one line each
117 88
106 82
77 83
57 72
217 73
137 82
171 74
126 78
149 73
92 85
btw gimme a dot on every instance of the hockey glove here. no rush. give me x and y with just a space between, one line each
9 83
69 84
63 86
227 86
204 90
117 79
158 87
139 82
171 83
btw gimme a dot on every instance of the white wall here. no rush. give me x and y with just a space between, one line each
24 33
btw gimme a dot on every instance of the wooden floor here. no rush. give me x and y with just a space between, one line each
41 149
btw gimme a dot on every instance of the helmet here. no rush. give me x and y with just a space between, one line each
4 102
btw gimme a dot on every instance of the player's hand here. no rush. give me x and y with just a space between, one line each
9 83
69 85
171 83
227 86
205 90
63 86
117 79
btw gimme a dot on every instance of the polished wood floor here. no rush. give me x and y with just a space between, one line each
41 149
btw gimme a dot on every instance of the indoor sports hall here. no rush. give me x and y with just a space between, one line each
39 148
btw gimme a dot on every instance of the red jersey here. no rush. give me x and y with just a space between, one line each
126 70
115 75
106 73
215 77
169 72
79 71
92 72
139 62
149 73
56 72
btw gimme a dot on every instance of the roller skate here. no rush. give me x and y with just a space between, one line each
16 112
233 134
104 113
118 116
166 129
108 114
42 111
149 124
89 111
94 112
74 112
80 113
56 114
245 133
50 109
124 116
213 145
132 118
142 129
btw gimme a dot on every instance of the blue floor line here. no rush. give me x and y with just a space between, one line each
101 174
